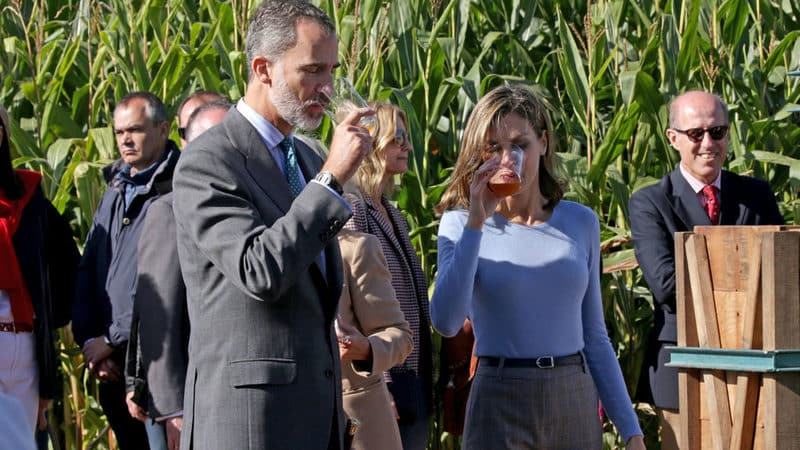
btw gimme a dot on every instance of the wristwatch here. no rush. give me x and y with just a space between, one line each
327 179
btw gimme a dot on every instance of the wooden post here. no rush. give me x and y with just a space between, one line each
781 300
689 435
705 312
744 412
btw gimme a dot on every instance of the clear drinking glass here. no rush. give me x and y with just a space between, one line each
345 99
343 338
506 181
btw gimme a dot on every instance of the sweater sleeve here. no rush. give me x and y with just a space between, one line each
458 248
600 355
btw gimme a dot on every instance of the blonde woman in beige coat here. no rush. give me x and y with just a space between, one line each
373 336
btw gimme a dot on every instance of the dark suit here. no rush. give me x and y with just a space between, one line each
657 212
263 357
157 349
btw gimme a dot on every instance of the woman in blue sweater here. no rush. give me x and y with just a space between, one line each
525 268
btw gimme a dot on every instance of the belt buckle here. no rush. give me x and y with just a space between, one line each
545 362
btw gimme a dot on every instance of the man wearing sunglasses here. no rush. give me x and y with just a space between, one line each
697 192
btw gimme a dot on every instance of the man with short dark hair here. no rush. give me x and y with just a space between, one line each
101 316
697 192
256 240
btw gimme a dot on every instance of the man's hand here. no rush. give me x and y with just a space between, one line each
174 426
351 142
136 411
96 350
106 370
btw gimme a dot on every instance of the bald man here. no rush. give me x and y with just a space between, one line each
697 192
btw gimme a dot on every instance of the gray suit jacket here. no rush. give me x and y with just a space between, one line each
263 357
157 349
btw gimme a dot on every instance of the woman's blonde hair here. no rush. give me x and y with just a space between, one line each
488 113
369 176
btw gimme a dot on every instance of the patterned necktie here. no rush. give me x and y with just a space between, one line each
292 174
712 203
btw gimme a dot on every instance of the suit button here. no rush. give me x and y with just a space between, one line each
328 373
126 221
337 223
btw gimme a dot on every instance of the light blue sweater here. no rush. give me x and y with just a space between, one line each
531 292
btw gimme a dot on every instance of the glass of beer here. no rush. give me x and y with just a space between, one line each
506 181
344 100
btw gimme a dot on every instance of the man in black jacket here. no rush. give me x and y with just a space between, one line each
107 273
697 192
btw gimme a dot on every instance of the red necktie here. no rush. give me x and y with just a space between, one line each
712 203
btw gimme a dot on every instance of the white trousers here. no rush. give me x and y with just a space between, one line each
19 373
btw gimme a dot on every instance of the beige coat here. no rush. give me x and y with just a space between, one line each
368 302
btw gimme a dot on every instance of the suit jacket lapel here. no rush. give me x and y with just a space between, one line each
684 201
309 162
259 162
269 177
385 227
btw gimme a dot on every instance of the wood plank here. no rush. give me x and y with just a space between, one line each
729 253
781 289
708 336
702 292
690 433
746 403
782 401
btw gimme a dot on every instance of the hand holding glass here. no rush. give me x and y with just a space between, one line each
344 100
506 180
343 338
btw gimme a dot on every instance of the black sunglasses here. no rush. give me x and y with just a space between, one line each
182 132
401 137
696 134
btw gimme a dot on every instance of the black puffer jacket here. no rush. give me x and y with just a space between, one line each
107 272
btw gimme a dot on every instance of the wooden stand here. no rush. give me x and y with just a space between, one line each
738 289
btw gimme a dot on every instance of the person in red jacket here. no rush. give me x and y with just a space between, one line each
39 262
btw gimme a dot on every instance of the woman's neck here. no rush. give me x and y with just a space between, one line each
527 208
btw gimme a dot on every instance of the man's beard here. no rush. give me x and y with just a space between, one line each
291 109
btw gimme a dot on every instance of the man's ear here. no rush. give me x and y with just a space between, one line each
262 69
164 129
671 136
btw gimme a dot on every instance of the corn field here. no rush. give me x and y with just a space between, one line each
607 68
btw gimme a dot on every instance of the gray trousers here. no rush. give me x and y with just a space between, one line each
530 408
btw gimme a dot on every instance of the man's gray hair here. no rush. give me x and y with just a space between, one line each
271 30
155 111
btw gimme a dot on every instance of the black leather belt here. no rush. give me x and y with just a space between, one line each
544 362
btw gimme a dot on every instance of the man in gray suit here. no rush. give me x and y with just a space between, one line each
256 241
